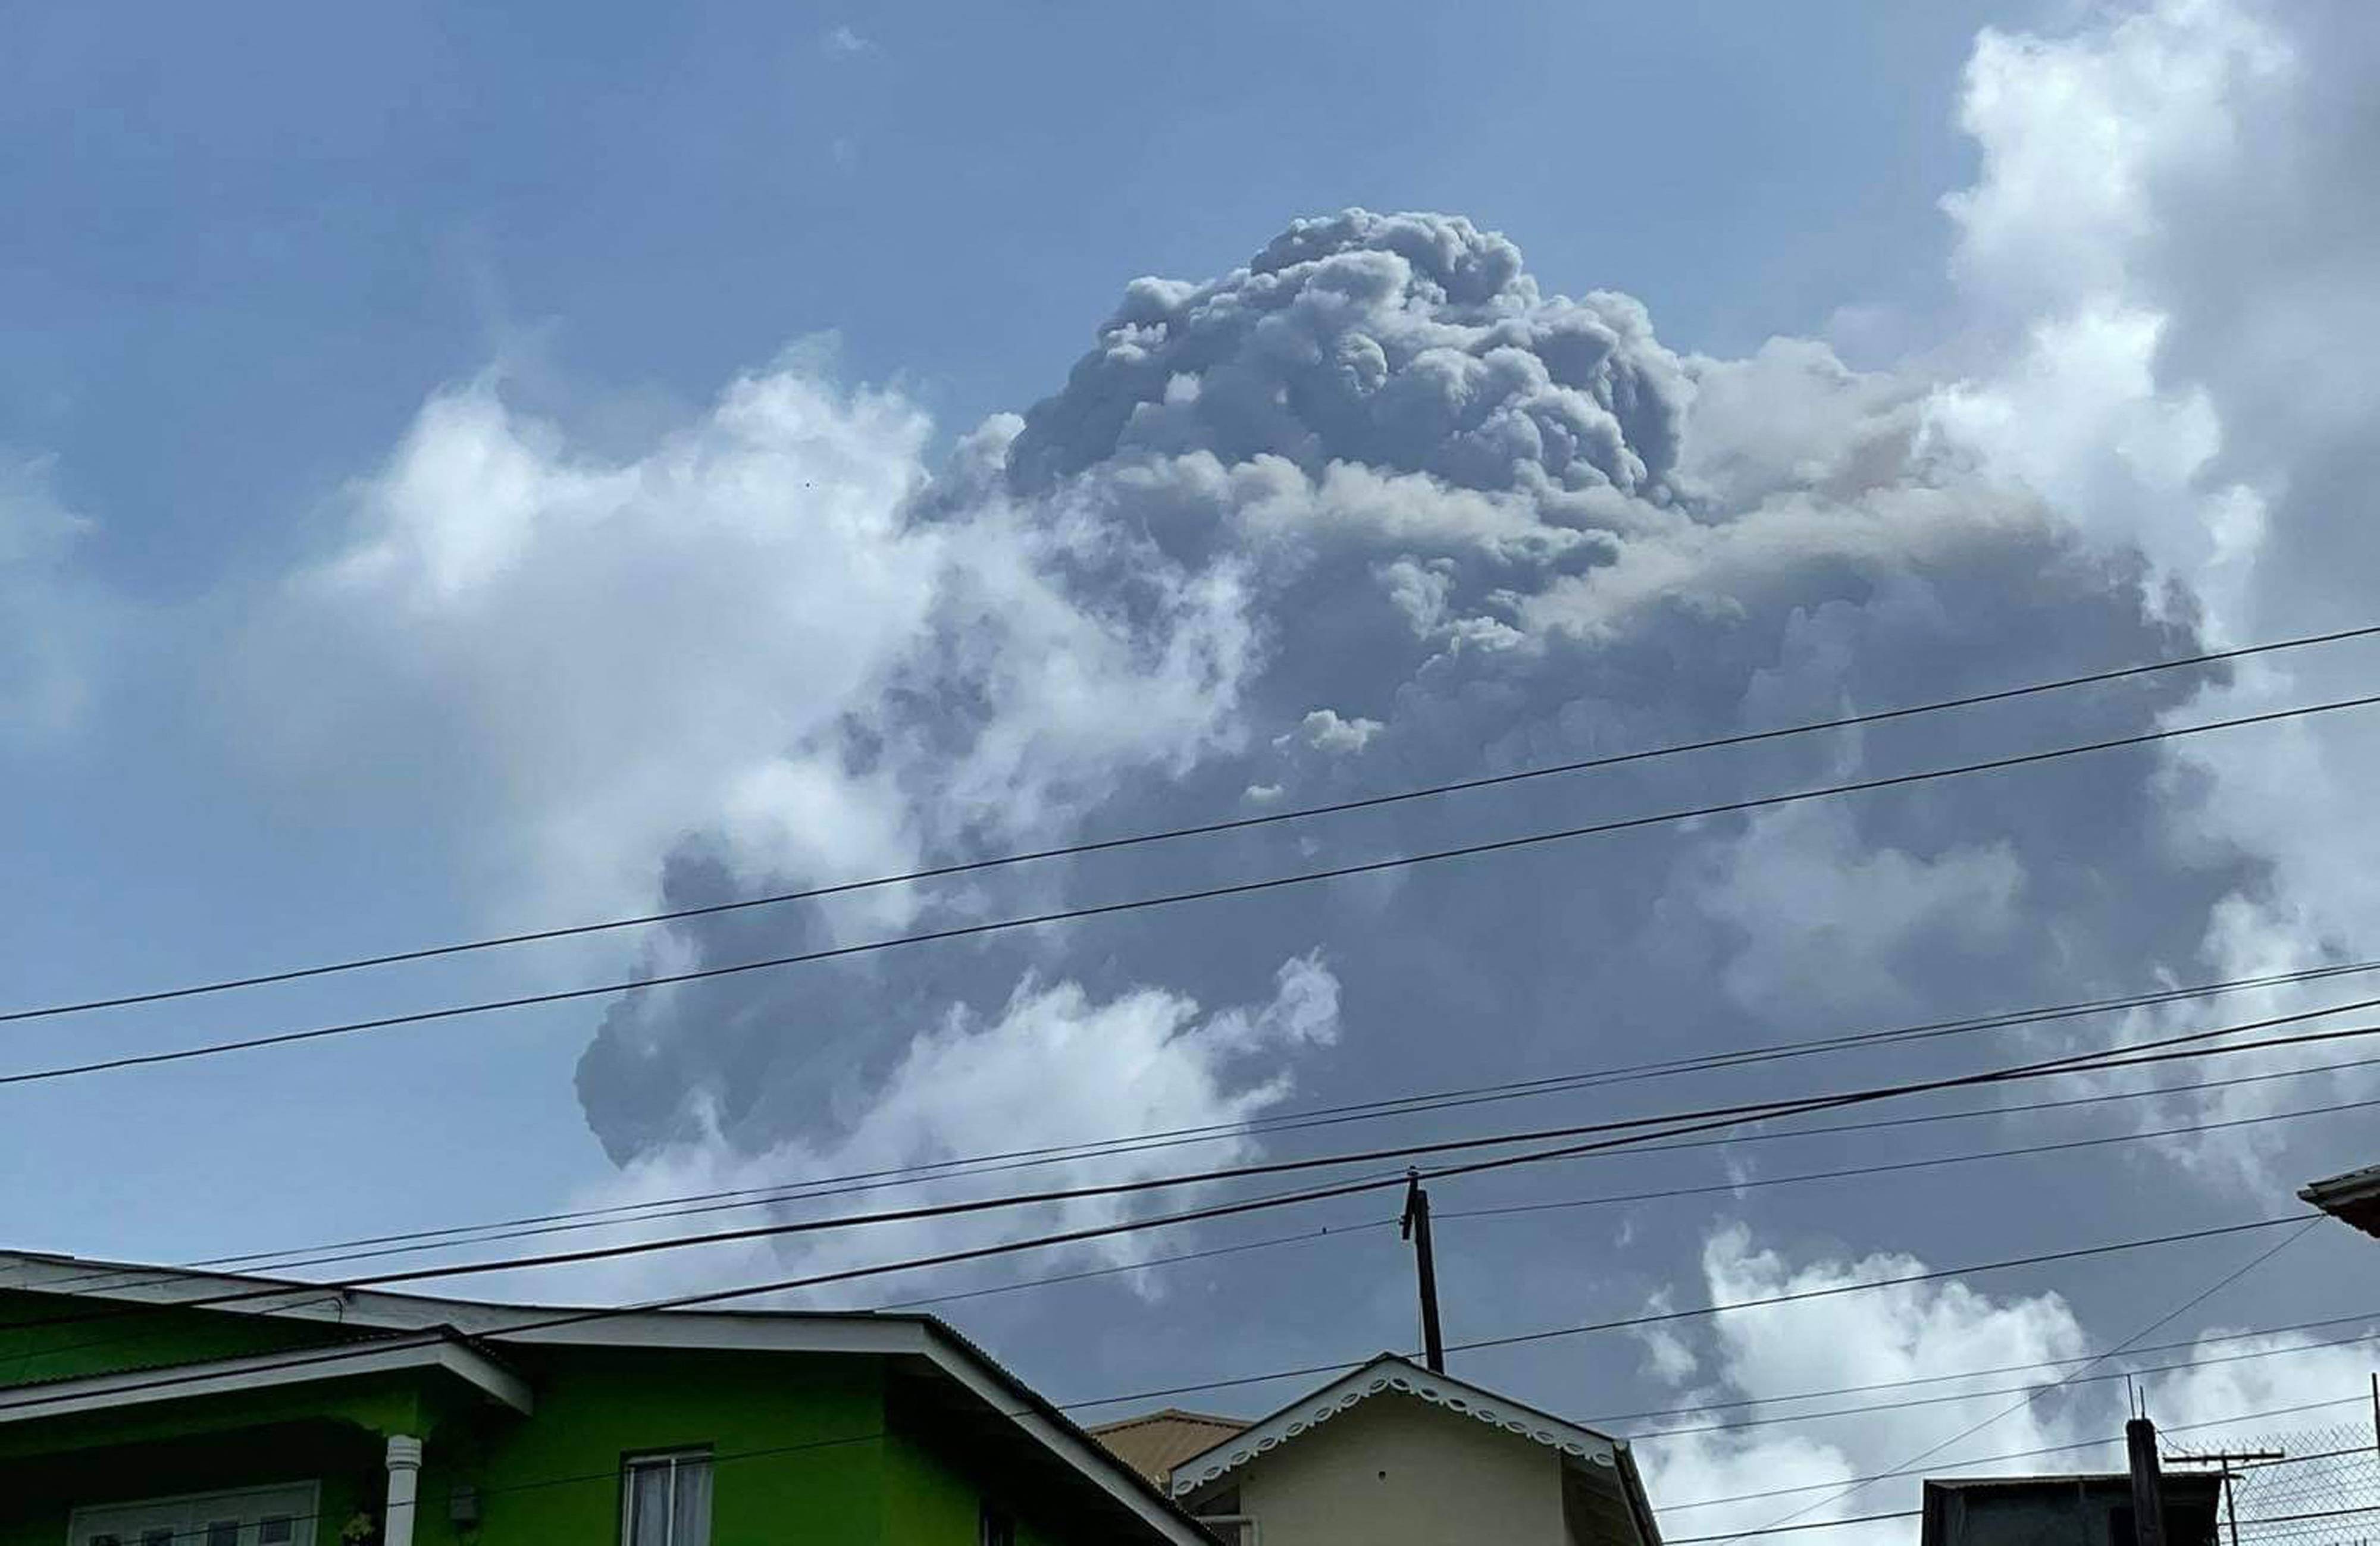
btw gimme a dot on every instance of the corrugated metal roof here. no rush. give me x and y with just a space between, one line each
2354 1198
1155 1442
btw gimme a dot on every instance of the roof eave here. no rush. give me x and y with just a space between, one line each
2352 1199
1203 1470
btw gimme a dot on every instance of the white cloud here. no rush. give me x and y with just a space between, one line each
604 655
1325 730
844 43
1872 1337
1055 1067
2174 228
2016 1342
52 624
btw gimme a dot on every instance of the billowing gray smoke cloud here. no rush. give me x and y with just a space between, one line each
1472 527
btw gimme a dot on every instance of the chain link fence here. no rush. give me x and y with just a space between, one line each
2324 1490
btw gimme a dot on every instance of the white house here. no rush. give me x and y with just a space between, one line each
1394 1454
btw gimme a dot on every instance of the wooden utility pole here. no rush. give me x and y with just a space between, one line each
2148 1487
2226 1460
1414 1227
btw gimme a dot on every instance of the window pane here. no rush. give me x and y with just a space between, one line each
157 1538
274 1529
648 1489
690 1509
668 1500
221 1533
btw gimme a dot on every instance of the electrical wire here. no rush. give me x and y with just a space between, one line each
2167 1049
1135 905
1234 824
1748 1184
567 1320
1723 1116
2168 1317
767 1194
1914 1382
2087 1444
2018 1454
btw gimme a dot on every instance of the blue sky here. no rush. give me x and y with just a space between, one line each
253 242
463 471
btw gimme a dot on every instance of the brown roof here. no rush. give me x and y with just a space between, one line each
1154 1444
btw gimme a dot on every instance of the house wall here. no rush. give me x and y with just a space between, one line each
931 1500
1399 1472
797 1444
801 1444
2078 1511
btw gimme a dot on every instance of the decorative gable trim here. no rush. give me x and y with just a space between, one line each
1389 1374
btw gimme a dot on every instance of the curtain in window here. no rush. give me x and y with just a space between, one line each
690 1507
669 1500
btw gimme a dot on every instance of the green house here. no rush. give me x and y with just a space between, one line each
148 1407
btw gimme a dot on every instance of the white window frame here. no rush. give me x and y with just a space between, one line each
87 1517
673 1458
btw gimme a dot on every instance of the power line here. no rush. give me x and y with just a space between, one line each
2087 1444
2026 1453
1234 824
1664 1317
1417 1104
2150 1092
565 1320
1311 1235
2172 1047
1307 1236
2191 1303
1925 1162
1916 1380
1329 1232
1722 1116
657 1210
1135 904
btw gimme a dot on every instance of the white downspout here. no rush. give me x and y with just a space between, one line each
404 1477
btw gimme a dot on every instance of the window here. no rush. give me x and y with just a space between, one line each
995 1528
249 1516
665 1499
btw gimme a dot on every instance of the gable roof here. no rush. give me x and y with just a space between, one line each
1155 1442
916 1340
1392 1376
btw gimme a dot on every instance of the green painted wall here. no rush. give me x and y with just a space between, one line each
926 1502
797 1441
804 1449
